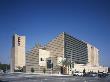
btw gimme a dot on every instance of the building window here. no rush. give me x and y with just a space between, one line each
41 59
18 41
49 64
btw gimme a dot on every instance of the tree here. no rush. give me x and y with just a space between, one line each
84 72
66 63
32 70
19 69
4 67
108 69
44 70
24 68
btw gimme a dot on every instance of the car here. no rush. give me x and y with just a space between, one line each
77 73
102 75
93 74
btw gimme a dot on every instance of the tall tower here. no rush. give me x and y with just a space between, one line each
17 52
93 55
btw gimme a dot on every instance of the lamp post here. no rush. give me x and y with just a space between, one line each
51 65
6 68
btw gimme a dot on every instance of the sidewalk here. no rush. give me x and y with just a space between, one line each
46 74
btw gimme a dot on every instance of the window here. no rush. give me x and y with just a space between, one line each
18 41
41 59
49 64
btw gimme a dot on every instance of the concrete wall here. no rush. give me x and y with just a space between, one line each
43 55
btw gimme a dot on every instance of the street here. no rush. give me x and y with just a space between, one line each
49 78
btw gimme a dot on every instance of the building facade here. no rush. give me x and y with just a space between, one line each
51 56
89 68
55 48
32 59
93 55
75 49
17 52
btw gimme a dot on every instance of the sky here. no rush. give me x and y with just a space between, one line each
42 20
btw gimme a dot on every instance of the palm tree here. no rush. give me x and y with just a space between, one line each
66 63
44 70
84 72
19 69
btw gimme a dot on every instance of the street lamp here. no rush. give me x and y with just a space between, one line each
51 65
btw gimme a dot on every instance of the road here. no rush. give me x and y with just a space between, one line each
49 78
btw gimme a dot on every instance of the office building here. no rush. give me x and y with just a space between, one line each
64 47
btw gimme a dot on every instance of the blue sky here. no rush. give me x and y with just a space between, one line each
42 20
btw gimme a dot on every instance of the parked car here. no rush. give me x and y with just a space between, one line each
77 73
93 74
102 75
